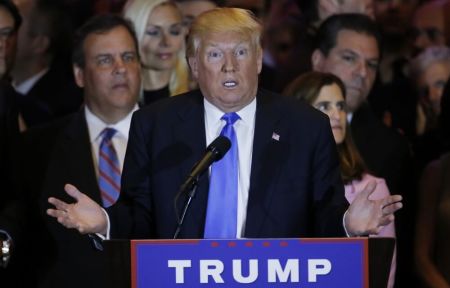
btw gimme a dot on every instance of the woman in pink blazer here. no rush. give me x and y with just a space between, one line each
326 93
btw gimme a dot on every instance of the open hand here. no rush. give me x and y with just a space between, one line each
85 215
365 216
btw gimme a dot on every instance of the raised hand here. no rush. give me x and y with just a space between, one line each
85 215
365 216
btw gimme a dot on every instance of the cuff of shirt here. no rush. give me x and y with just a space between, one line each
108 228
343 224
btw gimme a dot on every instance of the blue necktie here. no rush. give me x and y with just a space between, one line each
108 168
221 215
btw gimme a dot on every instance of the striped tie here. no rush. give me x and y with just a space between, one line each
108 168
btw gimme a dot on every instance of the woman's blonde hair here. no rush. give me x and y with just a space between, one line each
138 12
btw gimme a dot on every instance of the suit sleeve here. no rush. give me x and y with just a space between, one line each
131 216
329 197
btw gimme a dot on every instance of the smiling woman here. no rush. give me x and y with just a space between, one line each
161 35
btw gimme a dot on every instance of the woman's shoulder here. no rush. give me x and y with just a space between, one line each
381 190
369 177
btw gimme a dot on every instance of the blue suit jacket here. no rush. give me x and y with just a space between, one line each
295 186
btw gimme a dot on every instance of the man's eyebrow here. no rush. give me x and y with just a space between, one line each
348 50
215 45
101 55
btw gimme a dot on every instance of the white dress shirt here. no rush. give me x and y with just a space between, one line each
120 138
25 87
245 130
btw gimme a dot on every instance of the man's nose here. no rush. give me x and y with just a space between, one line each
119 66
230 64
361 69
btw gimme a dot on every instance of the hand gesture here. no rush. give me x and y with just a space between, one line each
85 215
365 216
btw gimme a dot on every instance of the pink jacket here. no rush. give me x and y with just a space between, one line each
381 191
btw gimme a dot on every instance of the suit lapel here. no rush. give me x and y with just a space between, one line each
189 131
266 161
77 148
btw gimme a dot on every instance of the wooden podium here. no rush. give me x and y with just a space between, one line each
306 262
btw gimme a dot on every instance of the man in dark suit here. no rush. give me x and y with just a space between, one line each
288 176
42 74
10 22
348 46
12 204
12 209
106 65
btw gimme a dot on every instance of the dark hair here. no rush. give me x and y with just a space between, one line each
309 10
307 88
327 34
12 9
98 25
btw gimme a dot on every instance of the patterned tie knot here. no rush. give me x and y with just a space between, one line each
108 134
230 118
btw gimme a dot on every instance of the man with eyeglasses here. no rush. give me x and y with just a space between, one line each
10 21
11 210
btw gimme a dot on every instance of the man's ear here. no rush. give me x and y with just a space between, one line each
193 64
259 61
317 60
79 75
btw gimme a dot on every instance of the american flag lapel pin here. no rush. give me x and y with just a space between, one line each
275 136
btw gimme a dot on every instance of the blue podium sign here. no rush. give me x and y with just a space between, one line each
334 262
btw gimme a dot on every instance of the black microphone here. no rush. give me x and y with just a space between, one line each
214 152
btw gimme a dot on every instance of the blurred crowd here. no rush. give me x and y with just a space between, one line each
378 68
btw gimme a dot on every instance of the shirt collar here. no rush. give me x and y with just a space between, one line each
349 117
25 87
96 125
213 114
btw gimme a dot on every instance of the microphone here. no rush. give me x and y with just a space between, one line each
214 152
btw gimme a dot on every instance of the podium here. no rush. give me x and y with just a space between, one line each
306 262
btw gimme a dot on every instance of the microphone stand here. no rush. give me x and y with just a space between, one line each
191 187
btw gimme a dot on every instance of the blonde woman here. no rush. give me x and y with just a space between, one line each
161 36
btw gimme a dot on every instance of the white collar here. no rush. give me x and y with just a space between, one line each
25 87
213 114
96 125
